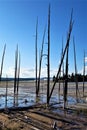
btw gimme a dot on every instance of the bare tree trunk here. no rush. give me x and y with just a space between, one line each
48 65
67 44
41 55
66 81
84 74
59 89
2 61
15 76
18 75
76 78
6 91
36 55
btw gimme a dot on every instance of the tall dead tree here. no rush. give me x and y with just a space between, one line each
67 44
6 91
63 68
59 88
18 75
60 74
76 78
16 65
15 75
40 63
48 57
36 56
2 61
66 80
83 73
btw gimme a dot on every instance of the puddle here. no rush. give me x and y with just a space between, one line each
27 97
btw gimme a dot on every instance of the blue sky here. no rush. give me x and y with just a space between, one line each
17 26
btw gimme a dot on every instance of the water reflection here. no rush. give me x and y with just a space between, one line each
27 97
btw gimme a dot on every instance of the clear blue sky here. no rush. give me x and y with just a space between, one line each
17 26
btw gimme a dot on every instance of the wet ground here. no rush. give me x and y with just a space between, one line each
27 97
41 116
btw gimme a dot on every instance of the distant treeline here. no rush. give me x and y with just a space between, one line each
21 79
72 78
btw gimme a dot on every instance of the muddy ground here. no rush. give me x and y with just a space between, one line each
43 117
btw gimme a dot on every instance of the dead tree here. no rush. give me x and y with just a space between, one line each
60 74
2 61
48 57
15 75
18 76
6 91
76 78
36 56
66 80
16 65
67 44
83 73
40 63
63 68
59 89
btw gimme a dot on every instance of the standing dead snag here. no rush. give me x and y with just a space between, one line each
6 91
18 77
76 78
63 68
2 61
36 56
15 76
62 71
61 62
66 74
59 88
41 55
16 65
48 57
83 73
17 73
66 79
